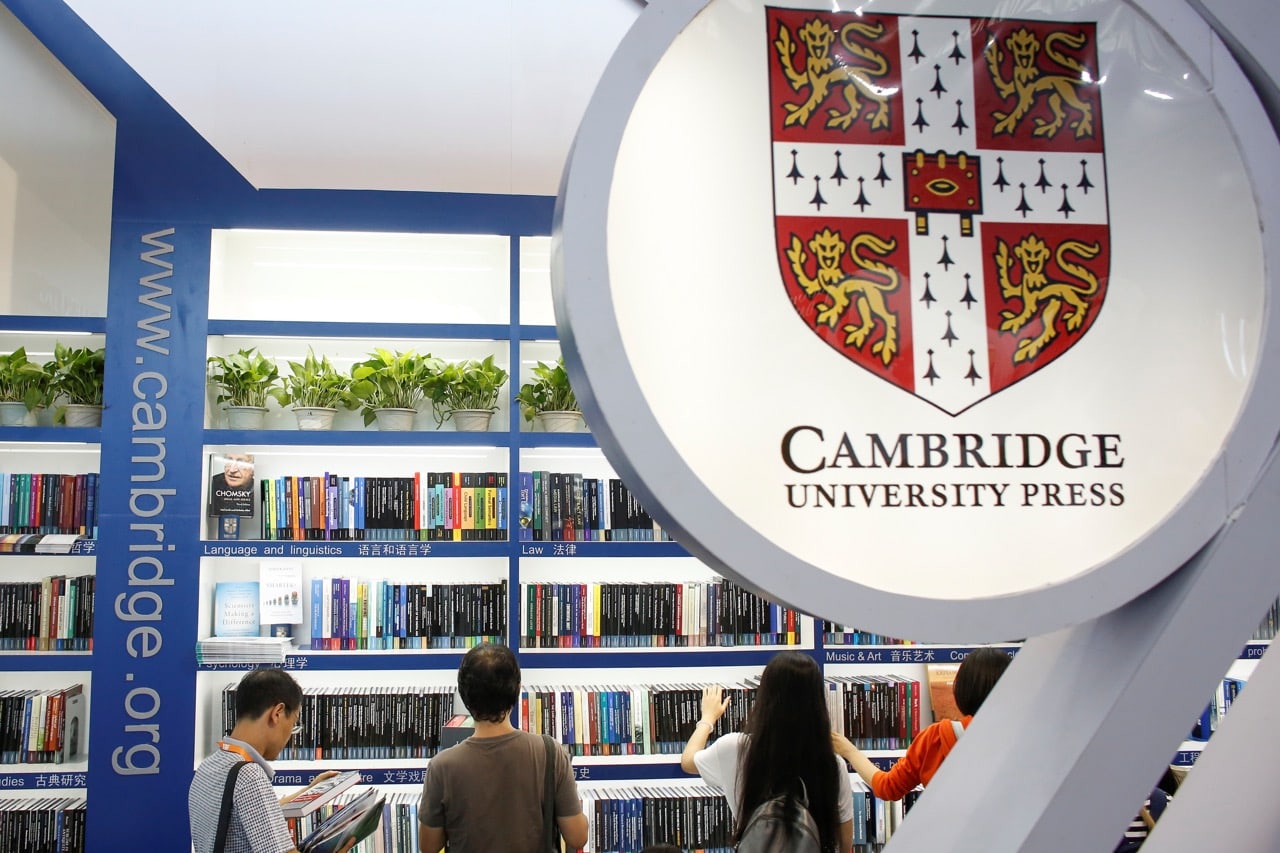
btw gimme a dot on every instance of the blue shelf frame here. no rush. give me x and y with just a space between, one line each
48 324
67 661
51 435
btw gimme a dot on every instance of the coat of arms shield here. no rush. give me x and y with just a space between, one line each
940 194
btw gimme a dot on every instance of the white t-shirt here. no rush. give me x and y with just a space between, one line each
718 766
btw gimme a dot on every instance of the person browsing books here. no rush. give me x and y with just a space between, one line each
785 751
976 677
485 794
268 705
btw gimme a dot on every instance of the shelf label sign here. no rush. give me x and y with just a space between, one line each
882 317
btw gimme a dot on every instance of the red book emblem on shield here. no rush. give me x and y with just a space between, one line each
940 194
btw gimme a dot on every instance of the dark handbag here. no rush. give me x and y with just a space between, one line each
224 815
550 829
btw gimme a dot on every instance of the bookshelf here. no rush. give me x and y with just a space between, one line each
518 330
47 598
515 325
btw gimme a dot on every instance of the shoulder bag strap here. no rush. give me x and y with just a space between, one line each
550 831
958 728
224 816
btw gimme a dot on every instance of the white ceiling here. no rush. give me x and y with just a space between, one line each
431 95
387 95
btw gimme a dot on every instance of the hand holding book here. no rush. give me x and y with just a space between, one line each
351 823
325 787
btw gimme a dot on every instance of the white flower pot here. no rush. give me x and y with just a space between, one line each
246 417
395 420
559 421
314 417
80 415
13 413
472 420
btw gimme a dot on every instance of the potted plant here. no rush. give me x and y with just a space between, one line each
24 388
243 381
468 392
315 389
392 385
548 399
76 378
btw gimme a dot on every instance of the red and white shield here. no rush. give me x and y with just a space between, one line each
940 192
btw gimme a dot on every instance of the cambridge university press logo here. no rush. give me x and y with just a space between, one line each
940 198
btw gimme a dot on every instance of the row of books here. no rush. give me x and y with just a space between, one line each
1223 696
43 543
42 726
362 722
626 720
432 506
697 818
380 614
573 507
49 503
834 634
42 824
875 711
592 615
692 817
51 614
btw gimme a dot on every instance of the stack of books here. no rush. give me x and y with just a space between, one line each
245 650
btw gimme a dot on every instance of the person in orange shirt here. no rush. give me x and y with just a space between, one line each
975 678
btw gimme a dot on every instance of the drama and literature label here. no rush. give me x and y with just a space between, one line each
235 609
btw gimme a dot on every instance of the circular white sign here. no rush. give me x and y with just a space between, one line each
923 323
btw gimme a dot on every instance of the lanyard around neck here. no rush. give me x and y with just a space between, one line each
238 750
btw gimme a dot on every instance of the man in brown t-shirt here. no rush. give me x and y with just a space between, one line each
485 794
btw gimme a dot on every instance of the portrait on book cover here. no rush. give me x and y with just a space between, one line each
231 484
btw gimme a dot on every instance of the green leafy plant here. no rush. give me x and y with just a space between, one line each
244 378
393 380
549 391
315 383
24 381
473 384
76 374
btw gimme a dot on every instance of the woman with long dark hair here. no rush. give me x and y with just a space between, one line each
785 751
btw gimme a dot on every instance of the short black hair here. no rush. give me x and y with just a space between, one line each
262 689
489 681
978 674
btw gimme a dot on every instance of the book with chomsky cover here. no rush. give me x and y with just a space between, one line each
231 485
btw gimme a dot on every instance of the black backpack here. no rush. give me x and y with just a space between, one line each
770 829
